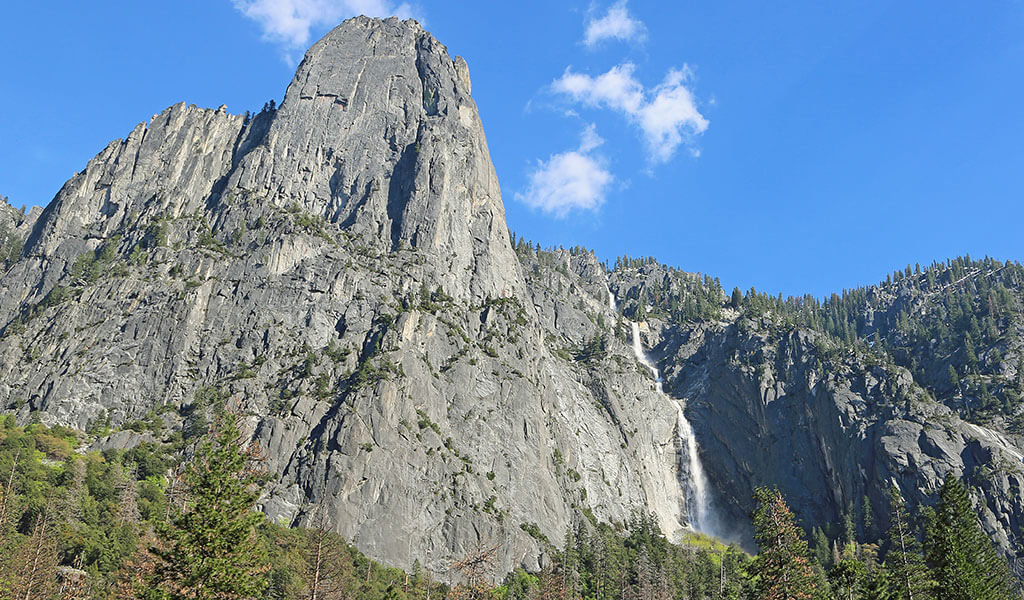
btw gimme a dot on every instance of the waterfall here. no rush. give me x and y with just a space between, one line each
691 471
697 484
638 351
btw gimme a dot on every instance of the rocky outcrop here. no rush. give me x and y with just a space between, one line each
15 226
832 428
338 269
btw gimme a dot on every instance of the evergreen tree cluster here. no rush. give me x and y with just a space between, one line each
634 560
956 562
950 324
668 293
139 524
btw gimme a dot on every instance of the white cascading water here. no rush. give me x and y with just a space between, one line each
691 471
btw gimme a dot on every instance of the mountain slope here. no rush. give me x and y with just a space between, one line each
338 269
835 401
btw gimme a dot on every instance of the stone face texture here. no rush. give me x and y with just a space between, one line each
767 413
342 267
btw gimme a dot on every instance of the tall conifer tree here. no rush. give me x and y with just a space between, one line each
212 551
782 566
910 577
962 557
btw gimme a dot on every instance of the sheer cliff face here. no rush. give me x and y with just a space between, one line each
341 267
832 429
378 133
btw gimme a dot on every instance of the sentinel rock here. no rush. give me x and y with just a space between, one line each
338 270
378 133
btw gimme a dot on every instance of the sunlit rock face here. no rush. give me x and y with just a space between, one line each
340 266
338 269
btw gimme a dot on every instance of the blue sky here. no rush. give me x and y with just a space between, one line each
798 147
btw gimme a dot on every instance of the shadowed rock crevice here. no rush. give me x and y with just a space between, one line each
400 190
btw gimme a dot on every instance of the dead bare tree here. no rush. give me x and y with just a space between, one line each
652 581
318 537
7 499
73 581
8 516
134 573
475 570
175 493
36 560
71 499
721 574
329 572
128 498
552 585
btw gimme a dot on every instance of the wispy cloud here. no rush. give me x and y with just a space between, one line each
666 114
289 22
573 180
616 24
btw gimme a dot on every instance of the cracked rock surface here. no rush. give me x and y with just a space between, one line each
340 267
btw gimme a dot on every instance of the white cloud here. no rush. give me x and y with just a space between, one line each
666 115
589 140
288 22
616 89
573 180
615 24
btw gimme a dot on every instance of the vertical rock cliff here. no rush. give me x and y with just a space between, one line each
340 270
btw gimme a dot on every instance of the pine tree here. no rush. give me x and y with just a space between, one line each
782 567
879 585
847 577
820 546
954 379
909 574
867 519
737 297
212 551
849 529
970 356
962 557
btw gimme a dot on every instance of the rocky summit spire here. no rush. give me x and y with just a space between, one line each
338 268
378 133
